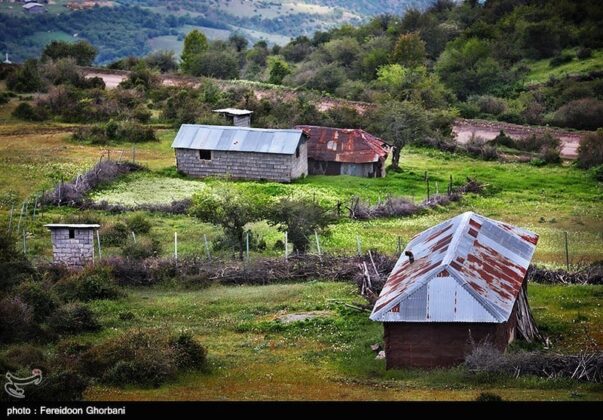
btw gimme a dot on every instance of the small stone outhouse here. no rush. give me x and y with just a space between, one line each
72 244
239 117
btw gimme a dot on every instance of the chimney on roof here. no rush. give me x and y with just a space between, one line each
239 117
411 257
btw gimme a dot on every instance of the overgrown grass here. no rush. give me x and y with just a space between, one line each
541 70
254 355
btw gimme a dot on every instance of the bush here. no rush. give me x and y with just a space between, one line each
141 249
114 234
118 131
488 396
584 53
582 114
503 140
97 284
25 356
24 111
14 266
138 223
16 320
134 132
73 318
489 104
139 357
561 59
189 353
41 301
590 151
62 385
598 172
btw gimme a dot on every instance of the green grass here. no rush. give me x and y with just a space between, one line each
252 355
541 71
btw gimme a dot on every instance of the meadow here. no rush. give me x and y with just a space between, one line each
549 200
254 354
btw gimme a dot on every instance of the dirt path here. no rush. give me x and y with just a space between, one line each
463 130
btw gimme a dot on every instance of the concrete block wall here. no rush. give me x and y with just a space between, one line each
77 251
300 164
242 165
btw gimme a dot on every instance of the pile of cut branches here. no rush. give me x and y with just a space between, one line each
73 193
403 207
590 274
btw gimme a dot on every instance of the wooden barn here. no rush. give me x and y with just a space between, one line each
457 284
341 151
241 152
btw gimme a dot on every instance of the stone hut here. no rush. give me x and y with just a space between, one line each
72 244
241 152
457 284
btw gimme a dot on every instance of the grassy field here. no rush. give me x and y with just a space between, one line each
253 355
541 71
549 200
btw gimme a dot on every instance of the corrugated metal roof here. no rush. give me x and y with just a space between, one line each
467 269
239 139
71 226
343 145
234 111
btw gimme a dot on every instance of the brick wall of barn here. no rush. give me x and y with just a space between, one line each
242 165
76 251
440 344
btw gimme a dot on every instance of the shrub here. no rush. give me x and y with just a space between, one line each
41 301
141 249
73 318
96 284
140 357
489 104
598 172
189 353
14 266
4 98
488 396
95 134
134 132
24 111
114 234
582 114
138 223
16 320
561 59
590 151
25 356
62 385
503 140
584 53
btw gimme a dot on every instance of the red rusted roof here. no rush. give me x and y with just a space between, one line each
466 269
343 145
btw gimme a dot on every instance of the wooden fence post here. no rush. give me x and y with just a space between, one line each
286 246
318 245
247 246
100 252
176 246
207 248
567 262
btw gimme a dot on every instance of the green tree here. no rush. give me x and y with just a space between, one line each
278 70
409 50
163 60
83 52
26 78
195 43
231 210
221 64
467 67
300 219
400 123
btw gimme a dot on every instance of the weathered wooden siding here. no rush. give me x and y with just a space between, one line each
435 344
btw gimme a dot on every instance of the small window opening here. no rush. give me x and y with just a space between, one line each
297 152
71 233
205 154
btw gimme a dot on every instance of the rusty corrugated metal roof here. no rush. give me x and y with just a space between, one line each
343 145
467 269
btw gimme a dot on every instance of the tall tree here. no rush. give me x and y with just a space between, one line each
195 44
409 50
399 123
83 52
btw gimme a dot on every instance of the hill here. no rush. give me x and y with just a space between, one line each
134 27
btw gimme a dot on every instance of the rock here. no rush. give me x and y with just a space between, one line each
380 355
302 316
376 347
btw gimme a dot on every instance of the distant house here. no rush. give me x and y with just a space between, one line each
239 117
34 8
459 283
241 152
339 151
